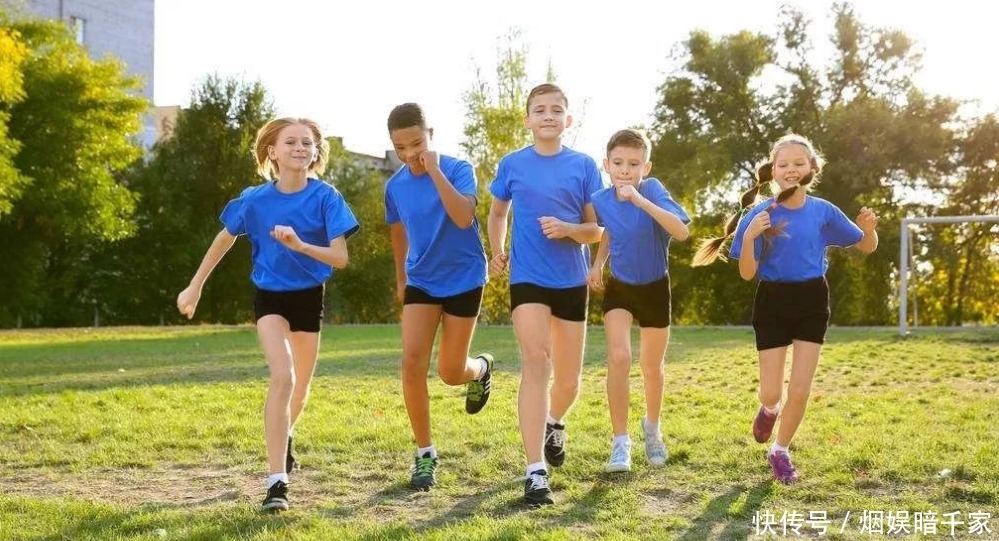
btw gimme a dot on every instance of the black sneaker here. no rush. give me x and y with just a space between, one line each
289 461
536 491
555 437
424 472
477 391
277 497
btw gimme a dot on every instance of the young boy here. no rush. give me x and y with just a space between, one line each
549 187
440 271
639 219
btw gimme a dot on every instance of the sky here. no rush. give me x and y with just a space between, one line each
346 64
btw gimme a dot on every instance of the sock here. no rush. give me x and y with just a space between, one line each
481 367
553 421
622 440
651 428
420 451
271 479
535 466
291 431
774 448
773 410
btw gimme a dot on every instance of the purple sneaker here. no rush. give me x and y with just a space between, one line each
780 463
763 425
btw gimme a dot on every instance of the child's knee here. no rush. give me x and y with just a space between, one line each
619 359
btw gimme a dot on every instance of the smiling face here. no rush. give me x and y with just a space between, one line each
294 149
409 144
792 164
626 165
547 116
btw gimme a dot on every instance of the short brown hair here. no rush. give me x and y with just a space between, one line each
630 138
267 136
545 88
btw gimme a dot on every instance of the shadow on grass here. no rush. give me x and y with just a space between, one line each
733 524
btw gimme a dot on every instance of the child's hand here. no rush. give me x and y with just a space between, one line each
553 228
430 160
286 235
187 300
498 264
596 279
627 192
759 224
867 220
400 291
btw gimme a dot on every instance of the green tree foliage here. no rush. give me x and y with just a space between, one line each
364 292
732 96
69 120
207 161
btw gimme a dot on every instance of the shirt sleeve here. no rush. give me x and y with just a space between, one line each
740 230
500 186
592 182
391 212
838 230
232 216
463 179
660 196
340 220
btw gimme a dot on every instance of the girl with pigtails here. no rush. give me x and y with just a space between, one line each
782 241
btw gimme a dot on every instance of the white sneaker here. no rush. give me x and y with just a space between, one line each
620 458
655 449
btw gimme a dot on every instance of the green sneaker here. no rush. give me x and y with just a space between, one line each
424 472
477 391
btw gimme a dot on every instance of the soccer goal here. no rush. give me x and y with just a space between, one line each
906 254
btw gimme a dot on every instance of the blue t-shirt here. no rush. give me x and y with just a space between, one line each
557 186
799 252
443 259
639 246
317 213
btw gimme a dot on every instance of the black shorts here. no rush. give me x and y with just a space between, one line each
566 303
302 308
788 311
648 303
461 305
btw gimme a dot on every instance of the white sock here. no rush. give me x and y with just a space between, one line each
622 440
553 421
291 431
774 448
773 410
535 466
420 451
482 367
271 479
650 428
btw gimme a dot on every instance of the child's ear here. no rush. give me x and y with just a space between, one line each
648 167
568 121
607 165
430 132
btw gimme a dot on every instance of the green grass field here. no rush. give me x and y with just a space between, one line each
156 433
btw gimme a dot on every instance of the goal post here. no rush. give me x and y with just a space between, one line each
904 253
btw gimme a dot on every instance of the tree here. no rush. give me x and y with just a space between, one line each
733 96
12 56
73 126
184 186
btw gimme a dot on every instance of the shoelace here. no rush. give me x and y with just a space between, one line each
620 454
538 481
784 466
424 466
557 438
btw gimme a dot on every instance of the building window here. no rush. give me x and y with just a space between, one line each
78 26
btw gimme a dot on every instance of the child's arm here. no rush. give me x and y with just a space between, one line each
334 255
587 232
496 230
596 276
400 246
666 219
747 256
187 300
459 207
868 222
